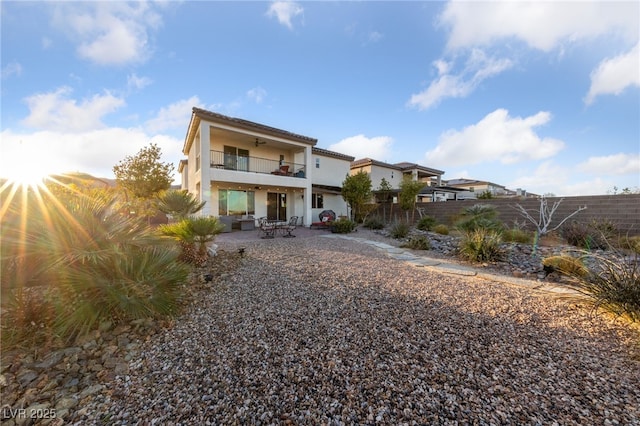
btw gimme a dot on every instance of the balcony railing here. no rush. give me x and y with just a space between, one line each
221 160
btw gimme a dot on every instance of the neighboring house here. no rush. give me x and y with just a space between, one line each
394 173
242 168
474 188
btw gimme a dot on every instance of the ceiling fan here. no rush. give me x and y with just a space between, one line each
260 142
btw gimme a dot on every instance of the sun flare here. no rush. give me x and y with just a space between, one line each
25 174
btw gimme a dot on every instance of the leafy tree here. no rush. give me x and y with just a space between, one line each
143 177
179 203
356 191
486 195
409 190
384 194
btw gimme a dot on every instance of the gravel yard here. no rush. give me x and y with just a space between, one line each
331 331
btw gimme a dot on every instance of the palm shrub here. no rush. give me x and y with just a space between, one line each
399 229
426 223
179 203
481 245
85 263
611 285
479 216
193 234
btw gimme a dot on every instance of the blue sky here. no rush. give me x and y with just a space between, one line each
543 96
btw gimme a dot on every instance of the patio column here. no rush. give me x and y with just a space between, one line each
308 190
205 169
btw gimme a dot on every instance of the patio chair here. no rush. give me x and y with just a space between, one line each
290 227
267 228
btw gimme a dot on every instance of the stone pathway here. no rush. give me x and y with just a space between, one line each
450 267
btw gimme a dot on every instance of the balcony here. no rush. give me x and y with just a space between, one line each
221 160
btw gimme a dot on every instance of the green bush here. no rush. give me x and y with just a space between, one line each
419 242
481 245
441 229
343 226
516 235
399 229
610 285
374 222
426 223
479 216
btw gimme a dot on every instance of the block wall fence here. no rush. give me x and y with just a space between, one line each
622 210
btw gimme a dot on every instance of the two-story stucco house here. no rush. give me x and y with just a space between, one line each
395 173
242 168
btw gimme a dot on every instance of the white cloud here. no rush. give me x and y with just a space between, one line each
497 137
12 68
135 82
616 164
477 68
542 25
257 94
56 111
174 116
93 152
374 37
546 178
360 146
284 11
109 33
46 43
613 75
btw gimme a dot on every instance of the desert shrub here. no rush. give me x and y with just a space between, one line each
611 285
441 229
399 229
426 223
478 216
374 222
630 243
481 245
343 226
83 262
594 235
418 242
564 264
516 235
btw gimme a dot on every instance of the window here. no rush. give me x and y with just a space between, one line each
317 163
236 158
236 203
317 201
197 152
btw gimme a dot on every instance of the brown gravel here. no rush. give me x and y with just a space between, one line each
328 331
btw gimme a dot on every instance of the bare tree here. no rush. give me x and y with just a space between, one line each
545 215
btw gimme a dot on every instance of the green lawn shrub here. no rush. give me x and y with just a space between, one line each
441 229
